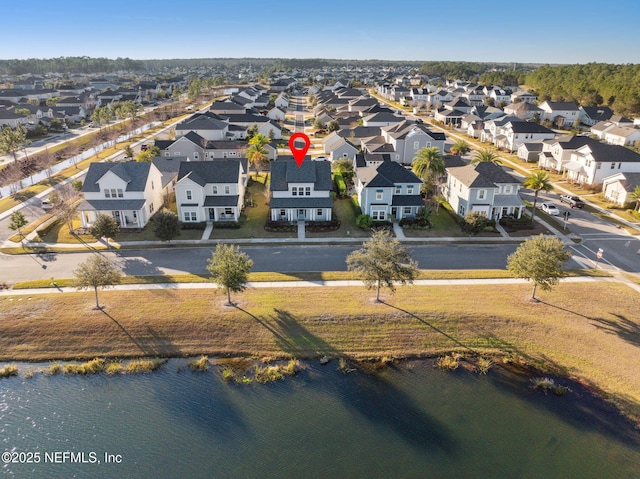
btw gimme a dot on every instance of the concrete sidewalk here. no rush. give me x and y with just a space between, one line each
303 284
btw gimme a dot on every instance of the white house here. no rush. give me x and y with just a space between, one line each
619 187
484 188
622 135
211 190
593 162
515 133
276 114
207 125
562 113
131 192
300 193
388 189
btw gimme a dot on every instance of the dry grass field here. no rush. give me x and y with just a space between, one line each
588 331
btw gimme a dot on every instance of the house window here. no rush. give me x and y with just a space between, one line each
461 210
507 189
152 186
114 193
120 193
407 210
619 165
227 189
398 190
214 189
190 216
150 208
106 193
378 215
228 211
189 195
416 145
307 191
598 165
294 191
409 189
482 194
283 212
378 195
319 212
613 165
195 156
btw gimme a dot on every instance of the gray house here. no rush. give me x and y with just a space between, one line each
388 189
484 188
300 193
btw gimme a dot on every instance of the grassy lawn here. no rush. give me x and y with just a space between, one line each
257 216
59 233
596 340
443 226
346 214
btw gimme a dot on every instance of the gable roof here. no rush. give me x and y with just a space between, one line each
602 152
284 170
201 122
528 127
206 172
386 174
134 173
481 175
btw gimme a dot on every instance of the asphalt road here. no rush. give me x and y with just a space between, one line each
286 258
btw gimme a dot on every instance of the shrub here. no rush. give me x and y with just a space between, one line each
483 366
201 364
340 184
143 366
94 366
356 205
54 368
194 226
8 371
474 223
364 221
449 361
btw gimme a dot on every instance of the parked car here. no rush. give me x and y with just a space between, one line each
320 132
550 209
572 201
46 205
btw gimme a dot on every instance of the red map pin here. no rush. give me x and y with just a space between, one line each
299 153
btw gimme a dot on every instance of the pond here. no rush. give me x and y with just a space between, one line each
411 420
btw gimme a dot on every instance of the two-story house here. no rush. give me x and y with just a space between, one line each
131 192
515 133
593 162
388 189
408 138
211 190
300 193
562 113
484 188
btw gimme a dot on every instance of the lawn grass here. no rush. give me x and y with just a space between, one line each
443 225
597 340
344 211
257 216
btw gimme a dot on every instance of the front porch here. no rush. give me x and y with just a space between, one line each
127 213
300 214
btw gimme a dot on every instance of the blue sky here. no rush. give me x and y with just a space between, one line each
544 31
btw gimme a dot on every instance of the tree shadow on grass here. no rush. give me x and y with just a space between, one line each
149 344
436 329
292 337
624 328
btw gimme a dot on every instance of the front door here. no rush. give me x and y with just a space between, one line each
301 213
394 212
116 215
212 214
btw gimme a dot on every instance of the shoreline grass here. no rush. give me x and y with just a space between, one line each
586 331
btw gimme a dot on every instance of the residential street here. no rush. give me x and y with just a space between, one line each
286 258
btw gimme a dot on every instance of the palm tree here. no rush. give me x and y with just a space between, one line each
537 181
259 139
257 156
460 147
636 197
486 156
428 164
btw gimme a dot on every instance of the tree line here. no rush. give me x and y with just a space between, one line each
69 65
